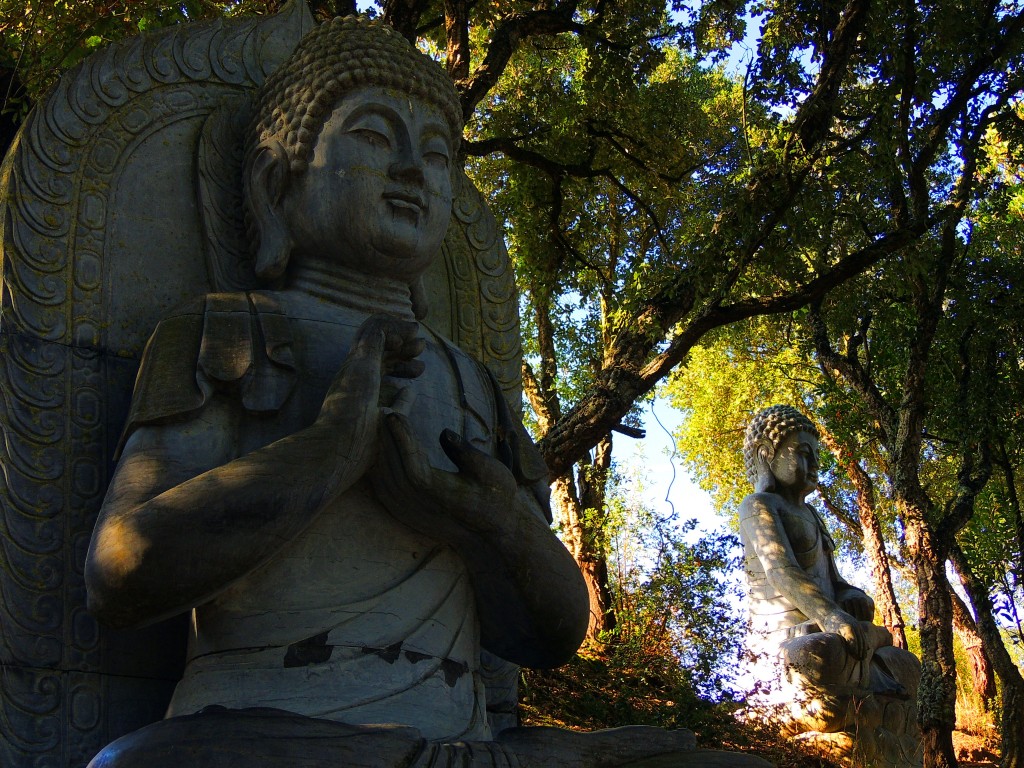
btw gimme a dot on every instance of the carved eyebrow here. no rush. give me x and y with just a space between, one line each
433 128
437 129
374 108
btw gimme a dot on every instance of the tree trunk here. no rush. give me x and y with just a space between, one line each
1003 459
578 495
982 674
936 711
582 517
1011 726
874 542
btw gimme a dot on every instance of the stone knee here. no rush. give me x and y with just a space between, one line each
259 738
821 659
902 665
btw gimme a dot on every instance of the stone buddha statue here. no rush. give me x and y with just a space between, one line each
828 668
340 496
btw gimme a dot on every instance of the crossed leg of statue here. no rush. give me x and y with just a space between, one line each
270 738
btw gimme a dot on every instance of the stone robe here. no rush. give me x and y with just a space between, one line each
359 619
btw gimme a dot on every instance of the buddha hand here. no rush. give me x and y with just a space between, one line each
383 347
850 629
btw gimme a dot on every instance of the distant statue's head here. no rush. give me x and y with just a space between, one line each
768 431
353 146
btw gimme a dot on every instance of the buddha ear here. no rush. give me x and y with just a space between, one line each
764 454
266 183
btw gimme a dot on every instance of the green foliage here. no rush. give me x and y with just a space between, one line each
602 193
694 592
677 595
39 39
650 198
728 378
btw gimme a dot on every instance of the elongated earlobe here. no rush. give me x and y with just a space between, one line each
765 482
267 181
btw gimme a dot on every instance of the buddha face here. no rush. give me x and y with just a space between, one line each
795 463
377 194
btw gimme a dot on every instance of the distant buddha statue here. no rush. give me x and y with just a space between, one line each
819 652
340 496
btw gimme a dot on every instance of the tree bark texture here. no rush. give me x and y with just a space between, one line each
874 544
937 693
1011 725
1010 478
983 676
582 516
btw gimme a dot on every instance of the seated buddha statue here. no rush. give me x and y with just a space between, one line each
827 667
338 495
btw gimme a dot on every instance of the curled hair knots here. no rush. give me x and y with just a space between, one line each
335 58
773 425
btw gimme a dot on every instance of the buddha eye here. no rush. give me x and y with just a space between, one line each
373 137
437 159
435 153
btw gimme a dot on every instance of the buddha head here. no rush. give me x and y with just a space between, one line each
352 155
781 447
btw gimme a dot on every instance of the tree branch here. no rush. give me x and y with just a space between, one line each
853 373
509 32
404 16
814 117
456 29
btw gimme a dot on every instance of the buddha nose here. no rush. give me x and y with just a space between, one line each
407 167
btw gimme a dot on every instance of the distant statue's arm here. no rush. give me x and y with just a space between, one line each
763 530
531 598
183 518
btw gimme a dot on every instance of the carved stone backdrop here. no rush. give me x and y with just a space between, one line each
119 199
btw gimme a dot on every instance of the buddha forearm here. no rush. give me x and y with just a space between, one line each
792 583
156 554
531 597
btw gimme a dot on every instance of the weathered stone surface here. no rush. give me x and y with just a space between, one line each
100 235
256 738
828 676
372 514
68 686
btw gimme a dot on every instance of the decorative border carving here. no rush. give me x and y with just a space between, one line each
485 305
54 359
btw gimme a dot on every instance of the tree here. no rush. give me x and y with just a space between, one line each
933 396
572 307
827 94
